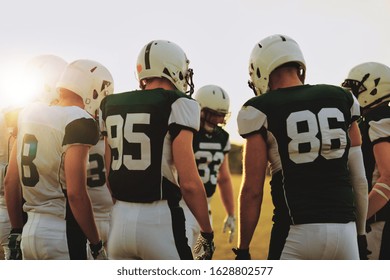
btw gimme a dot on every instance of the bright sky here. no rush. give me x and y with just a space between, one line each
217 36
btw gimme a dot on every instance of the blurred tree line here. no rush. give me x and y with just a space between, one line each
235 159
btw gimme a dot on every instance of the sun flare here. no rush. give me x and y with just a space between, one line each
16 88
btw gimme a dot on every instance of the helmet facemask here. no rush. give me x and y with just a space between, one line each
211 119
370 83
214 103
356 87
189 81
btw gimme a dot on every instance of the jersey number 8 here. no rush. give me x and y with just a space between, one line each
30 175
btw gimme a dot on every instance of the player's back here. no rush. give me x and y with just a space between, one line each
45 133
140 126
306 129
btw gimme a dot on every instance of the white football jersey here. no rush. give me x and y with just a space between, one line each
97 188
44 135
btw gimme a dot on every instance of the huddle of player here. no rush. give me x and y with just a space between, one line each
88 174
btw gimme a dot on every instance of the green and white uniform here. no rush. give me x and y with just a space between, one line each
44 135
98 191
147 221
210 150
306 131
375 128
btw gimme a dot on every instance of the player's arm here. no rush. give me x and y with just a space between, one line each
76 159
358 178
251 193
380 192
13 192
190 183
224 182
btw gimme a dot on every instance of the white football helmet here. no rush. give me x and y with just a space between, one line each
88 79
214 102
370 83
269 54
165 59
41 76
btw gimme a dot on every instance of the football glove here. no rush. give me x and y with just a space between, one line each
205 241
230 223
98 252
363 250
241 254
14 240
368 228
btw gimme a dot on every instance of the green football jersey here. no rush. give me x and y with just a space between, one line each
306 130
140 127
210 150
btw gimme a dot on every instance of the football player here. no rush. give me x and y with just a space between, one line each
98 191
150 160
50 158
41 75
303 132
211 146
8 119
370 83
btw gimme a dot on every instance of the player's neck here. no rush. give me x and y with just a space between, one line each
284 78
68 98
159 83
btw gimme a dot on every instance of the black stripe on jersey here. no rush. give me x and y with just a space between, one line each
385 139
76 239
179 231
174 129
170 191
262 131
279 233
147 55
81 131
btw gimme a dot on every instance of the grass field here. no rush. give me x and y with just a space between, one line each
260 241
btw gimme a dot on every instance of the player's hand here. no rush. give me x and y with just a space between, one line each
98 252
206 242
363 250
230 223
14 240
241 254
